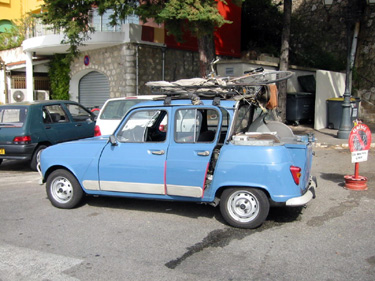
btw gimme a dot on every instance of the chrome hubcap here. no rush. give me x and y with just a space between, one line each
61 189
243 206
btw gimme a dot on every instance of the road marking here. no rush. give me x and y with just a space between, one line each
18 263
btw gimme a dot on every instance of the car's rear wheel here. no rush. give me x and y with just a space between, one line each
244 207
36 157
63 189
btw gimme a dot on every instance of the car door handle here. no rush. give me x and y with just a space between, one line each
78 125
158 152
204 153
48 127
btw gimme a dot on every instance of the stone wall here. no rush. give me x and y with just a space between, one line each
115 62
119 64
328 29
365 65
178 64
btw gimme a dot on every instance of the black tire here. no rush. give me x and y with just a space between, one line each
63 189
1 161
36 157
244 207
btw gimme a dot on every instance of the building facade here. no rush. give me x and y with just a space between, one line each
117 61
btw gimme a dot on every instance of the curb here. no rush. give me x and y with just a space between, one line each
336 146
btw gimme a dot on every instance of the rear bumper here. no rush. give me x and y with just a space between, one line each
17 151
307 197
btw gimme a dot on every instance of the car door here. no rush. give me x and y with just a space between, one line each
57 124
134 161
195 137
82 120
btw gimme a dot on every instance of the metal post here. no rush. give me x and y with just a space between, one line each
346 123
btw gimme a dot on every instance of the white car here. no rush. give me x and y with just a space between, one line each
114 109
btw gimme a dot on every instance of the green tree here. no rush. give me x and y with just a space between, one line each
199 17
261 26
59 69
284 56
13 37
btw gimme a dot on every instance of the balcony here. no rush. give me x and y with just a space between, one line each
44 41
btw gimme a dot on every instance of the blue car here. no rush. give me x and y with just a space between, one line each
220 151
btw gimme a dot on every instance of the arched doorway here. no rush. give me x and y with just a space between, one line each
93 89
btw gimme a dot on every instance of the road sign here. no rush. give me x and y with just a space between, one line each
359 156
360 138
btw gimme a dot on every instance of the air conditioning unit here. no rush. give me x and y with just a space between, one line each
41 95
17 95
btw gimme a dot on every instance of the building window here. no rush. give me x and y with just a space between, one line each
102 22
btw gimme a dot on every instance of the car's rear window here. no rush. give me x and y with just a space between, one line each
12 117
116 109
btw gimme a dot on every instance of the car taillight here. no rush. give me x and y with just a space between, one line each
97 131
296 173
22 140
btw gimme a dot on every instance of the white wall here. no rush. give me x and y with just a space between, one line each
9 56
329 84
240 66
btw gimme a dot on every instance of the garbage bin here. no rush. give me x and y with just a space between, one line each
307 83
334 111
300 107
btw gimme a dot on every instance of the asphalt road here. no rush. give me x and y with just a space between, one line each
126 239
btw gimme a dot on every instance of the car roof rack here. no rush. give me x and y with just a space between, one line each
216 88
196 94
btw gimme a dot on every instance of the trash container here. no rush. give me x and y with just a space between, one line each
334 111
307 83
300 107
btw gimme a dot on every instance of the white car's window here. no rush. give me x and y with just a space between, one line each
145 126
116 109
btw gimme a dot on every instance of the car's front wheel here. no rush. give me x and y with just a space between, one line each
244 207
63 189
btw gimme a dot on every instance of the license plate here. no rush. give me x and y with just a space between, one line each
2 151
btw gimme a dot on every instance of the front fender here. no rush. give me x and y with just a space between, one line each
81 158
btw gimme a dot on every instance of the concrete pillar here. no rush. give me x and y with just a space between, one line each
29 77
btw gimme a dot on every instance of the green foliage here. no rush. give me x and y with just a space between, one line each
11 39
307 49
59 70
72 16
200 17
14 37
261 26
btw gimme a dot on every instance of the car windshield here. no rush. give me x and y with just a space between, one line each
12 117
116 109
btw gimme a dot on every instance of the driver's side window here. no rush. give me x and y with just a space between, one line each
144 126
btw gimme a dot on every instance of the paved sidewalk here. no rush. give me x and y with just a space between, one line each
328 137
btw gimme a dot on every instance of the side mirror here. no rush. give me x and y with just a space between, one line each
112 140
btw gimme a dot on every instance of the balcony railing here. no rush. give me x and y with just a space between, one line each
99 23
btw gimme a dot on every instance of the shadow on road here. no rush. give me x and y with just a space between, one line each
186 209
15 165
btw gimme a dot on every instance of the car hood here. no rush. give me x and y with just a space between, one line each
73 155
